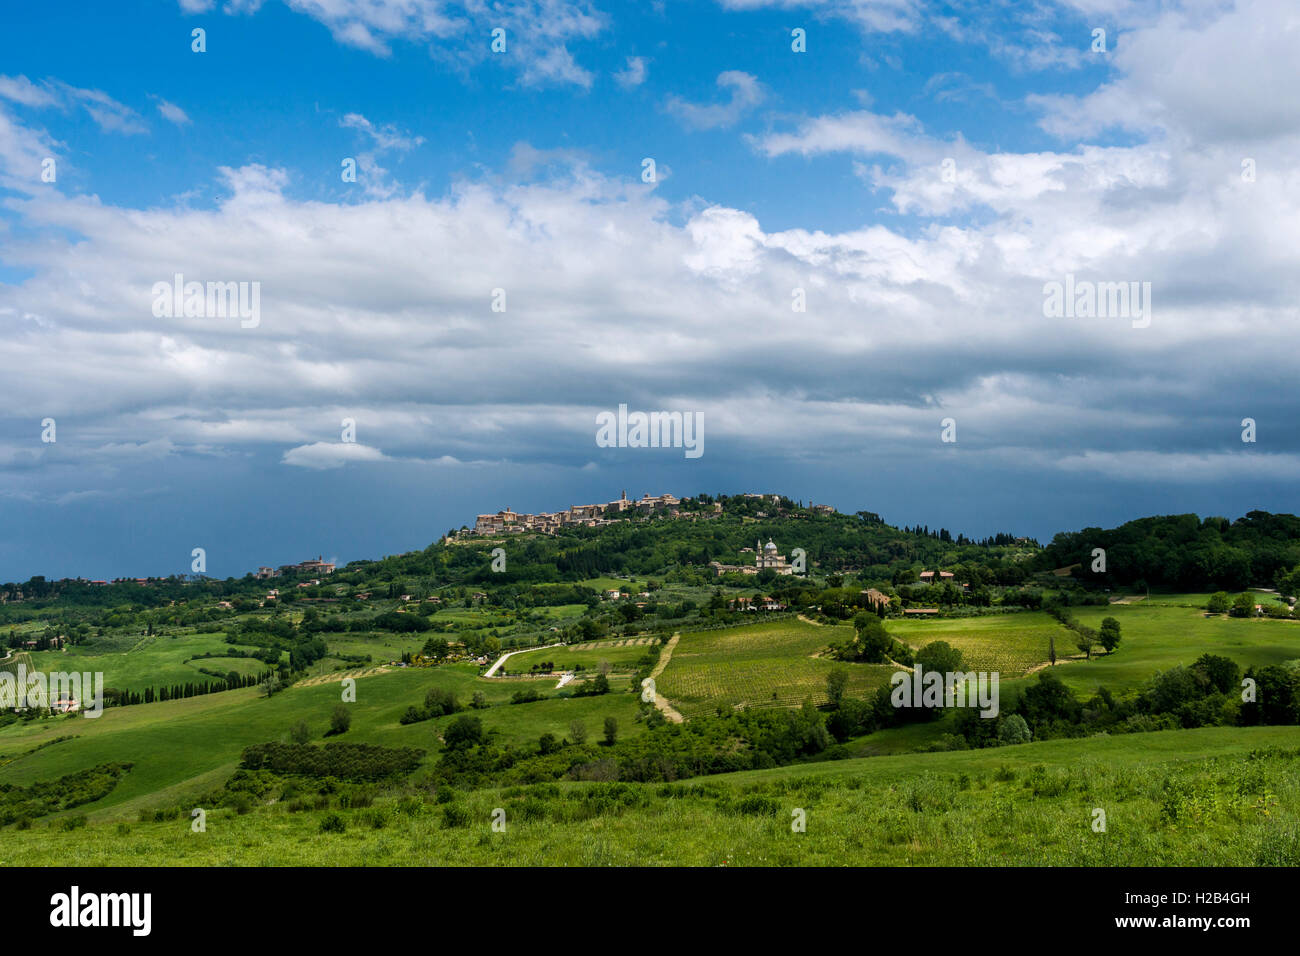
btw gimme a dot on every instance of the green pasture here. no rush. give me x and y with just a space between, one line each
1157 637
776 664
1210 797
1010 644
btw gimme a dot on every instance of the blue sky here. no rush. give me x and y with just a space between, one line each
919 172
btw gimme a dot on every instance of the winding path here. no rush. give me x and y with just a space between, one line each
527 650
661 702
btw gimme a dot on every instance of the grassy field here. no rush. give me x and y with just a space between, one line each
140 662
1196 600
380 647
1159 636
188 746
761 665
1185 797
621 654
1010 644
1198 797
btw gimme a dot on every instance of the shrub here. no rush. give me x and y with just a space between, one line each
939 656
344 761
340 720
1012 729
463 732
439 702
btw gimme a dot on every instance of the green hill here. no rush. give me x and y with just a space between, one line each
783 710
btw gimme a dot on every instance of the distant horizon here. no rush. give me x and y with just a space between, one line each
340 562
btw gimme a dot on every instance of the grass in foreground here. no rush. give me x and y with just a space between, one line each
1200 798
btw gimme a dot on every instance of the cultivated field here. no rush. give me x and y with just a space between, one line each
1010 644
761 665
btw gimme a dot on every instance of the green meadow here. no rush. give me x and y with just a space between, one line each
182 747
622 655
1159 636
1010 644
1216 796
154 661
778 663
1225 795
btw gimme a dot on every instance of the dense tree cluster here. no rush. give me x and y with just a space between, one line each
344 761
1183 552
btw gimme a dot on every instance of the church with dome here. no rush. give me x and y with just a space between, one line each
766 557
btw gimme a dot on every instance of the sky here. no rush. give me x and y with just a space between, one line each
832 231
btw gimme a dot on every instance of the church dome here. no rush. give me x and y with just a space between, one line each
769 546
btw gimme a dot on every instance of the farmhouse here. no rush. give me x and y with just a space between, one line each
944 577
875 598
311 566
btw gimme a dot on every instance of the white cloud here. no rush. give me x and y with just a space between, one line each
171 112
22 151
635 73
110 115
321 455
744 93
21 90
538 31
384 139
873 16
1205 74
861 132
380 310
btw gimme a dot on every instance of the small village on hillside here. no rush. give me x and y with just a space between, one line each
599 515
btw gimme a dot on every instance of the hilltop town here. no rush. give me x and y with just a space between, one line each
598 515
577 516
